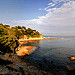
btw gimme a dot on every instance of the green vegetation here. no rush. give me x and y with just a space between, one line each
8 43
9 36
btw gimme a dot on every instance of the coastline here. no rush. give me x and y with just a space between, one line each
53 38
32 39
27 50
14 64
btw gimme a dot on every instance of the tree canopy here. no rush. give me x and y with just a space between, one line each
9 36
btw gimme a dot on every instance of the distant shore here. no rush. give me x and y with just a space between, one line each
42 38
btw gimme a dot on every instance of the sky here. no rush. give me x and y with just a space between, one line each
49 17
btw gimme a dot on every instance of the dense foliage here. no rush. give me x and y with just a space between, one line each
8 43
9 36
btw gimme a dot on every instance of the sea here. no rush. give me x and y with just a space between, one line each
53 54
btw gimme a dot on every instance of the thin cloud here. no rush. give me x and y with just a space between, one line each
58 21
39 9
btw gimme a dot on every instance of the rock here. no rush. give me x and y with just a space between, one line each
6 56
5 62
55 48
14 67
72 58
26 50
70 68
11 68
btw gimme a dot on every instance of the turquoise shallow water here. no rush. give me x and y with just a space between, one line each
53 54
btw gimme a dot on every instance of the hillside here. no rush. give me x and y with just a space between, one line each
9 36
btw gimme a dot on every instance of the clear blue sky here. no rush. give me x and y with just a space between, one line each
50 17
21 9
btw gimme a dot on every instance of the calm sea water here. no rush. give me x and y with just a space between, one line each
53 54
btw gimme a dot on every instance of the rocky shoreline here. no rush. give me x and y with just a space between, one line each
17 65
14 64
25 50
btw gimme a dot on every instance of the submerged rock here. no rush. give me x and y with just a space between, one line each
70 68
